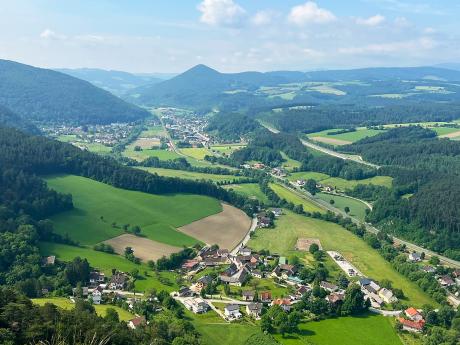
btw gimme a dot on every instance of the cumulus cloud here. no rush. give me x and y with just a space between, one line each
263 18
49 34
310 12
220 12
371 21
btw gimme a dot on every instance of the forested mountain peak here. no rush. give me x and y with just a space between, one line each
45 95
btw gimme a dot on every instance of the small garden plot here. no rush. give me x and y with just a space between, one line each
303 244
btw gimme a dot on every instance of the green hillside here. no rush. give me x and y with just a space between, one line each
97 206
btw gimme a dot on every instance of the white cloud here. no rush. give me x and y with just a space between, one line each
310 12
220 12
49 34
263 18
371 21
412 46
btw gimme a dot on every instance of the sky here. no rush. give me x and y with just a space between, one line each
146 36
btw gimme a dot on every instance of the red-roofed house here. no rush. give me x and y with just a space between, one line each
284 303
413 314
412 326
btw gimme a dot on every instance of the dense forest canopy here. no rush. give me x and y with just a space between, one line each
232 127
10 119
49 96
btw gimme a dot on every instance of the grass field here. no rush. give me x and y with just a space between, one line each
191 175
214 330
157 215
105 262
289 164
226 149
338 182
196 153
153 132
146 153
368 329
291 226
101 310
357 208
351 137
297 200
444 130
251 190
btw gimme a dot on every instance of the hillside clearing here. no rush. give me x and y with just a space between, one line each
297 200
251 190
100 211
357 208
190 175
225 229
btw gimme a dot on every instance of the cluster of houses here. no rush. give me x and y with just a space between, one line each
412 320
325 188
378 296
186 127
264 219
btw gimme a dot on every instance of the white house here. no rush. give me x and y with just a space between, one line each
387 295
254 310
196 305
96 295
232 311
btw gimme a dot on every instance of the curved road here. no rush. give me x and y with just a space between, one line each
246 238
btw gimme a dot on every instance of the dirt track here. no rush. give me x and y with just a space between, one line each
225 229
144 248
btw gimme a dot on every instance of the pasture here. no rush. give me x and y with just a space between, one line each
357 208
290 227
106 262
225 229
251 190
290 163
196 152
100 211
101 310
163 155
191 175
366 329
226 149
344 138
289 196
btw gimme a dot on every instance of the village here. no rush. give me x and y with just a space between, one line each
243 283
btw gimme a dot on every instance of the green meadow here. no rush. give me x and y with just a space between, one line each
101 310
368 329
359 134
290 227
251 190
190 175
106 262
97 206
294 198
357 208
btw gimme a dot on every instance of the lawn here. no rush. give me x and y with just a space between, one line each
368 329
105 262
290 227
97 206
215 330
357 208
251 190
191 175
196 152
294 198
101 310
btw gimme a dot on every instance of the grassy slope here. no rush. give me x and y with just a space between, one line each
191 175
360 133
368 329
291 197
290 227
197 153
101 310
251 190
338 182
105 262
157 215
357 208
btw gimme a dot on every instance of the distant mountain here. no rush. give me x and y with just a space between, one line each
44 95
386 73
203 84
10 119
451 65
116 82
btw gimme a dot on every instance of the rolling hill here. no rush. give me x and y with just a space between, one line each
116 82
44 95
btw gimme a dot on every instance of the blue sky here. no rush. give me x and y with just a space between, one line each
229 35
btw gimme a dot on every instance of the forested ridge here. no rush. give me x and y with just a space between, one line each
10 119
49 96
424 203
